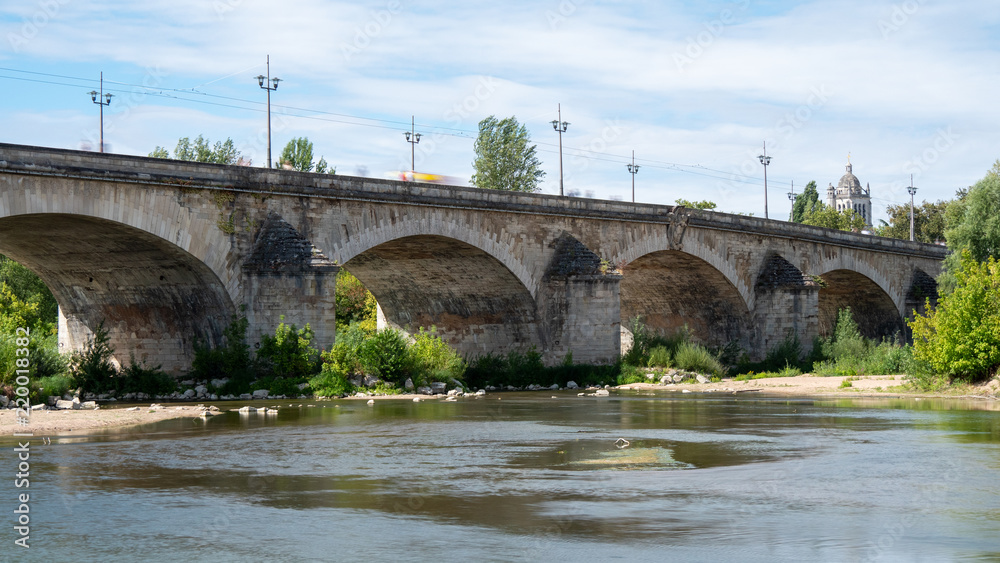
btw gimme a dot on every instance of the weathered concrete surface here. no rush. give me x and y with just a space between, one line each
164 251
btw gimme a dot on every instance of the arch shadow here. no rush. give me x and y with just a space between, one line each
873 309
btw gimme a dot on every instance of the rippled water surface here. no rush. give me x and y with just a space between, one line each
529 477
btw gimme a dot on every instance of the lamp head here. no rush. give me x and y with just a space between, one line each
260 80
417 137
108 98
275 81
93 96
407 135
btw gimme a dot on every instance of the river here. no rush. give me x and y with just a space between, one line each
536 477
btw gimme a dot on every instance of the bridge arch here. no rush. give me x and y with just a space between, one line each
874 310
469 295
471 235
153 297
671 289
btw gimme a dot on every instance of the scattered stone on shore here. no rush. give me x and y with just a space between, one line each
63 404
481 392
39 407
416 399
453 392
602 393
371 402
685 390
247 409
89 405
572 385
438 387
261 394
424 390
246 396
408 384
665 380
702 379
678 377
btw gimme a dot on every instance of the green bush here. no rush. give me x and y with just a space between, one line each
53 385
288 354
138 377
644 341
630 374
659 357
384 355
692 357
961 336
332 379
92 368
230 360
430 358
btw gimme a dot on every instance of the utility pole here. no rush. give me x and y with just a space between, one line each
791 198
412 138
913 192
261 81
765 160
101 99
560 126
633 169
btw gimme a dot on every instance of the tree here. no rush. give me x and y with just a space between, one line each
825 216
201 151
805 203
298 155
961 337
695 204
928 222
504 158
972 223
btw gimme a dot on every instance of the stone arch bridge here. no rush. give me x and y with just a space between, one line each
167 252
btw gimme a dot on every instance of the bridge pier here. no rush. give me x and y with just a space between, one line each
582 316
287 280
786 305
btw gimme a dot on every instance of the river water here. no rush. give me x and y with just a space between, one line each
536 477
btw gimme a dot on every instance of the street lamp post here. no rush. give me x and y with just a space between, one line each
560 126
413 138
101 99
913 191
765 160
791 198
633 169
266 82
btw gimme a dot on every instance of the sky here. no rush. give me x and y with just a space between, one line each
695 89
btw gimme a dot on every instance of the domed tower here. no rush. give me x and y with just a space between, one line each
850 195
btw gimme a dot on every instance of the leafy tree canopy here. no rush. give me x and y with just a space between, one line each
201 150
825 216
505 159
972 222
928 222
298 155
806 203
696 204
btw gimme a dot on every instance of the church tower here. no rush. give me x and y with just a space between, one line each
850 195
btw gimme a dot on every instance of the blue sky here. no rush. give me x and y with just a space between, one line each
694 88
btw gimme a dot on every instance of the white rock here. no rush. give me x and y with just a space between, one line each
554 387
580 394
678 378
685 390
481 392
261 394
425 391
371 402
572 385
602 393
39 407
201 390
247 409
408 384
89 405
213 397
451 399
133 409
189 394
665 380
453 392
245 396
63 404
76 400
416 399
702 379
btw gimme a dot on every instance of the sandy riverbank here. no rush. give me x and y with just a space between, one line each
67 422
